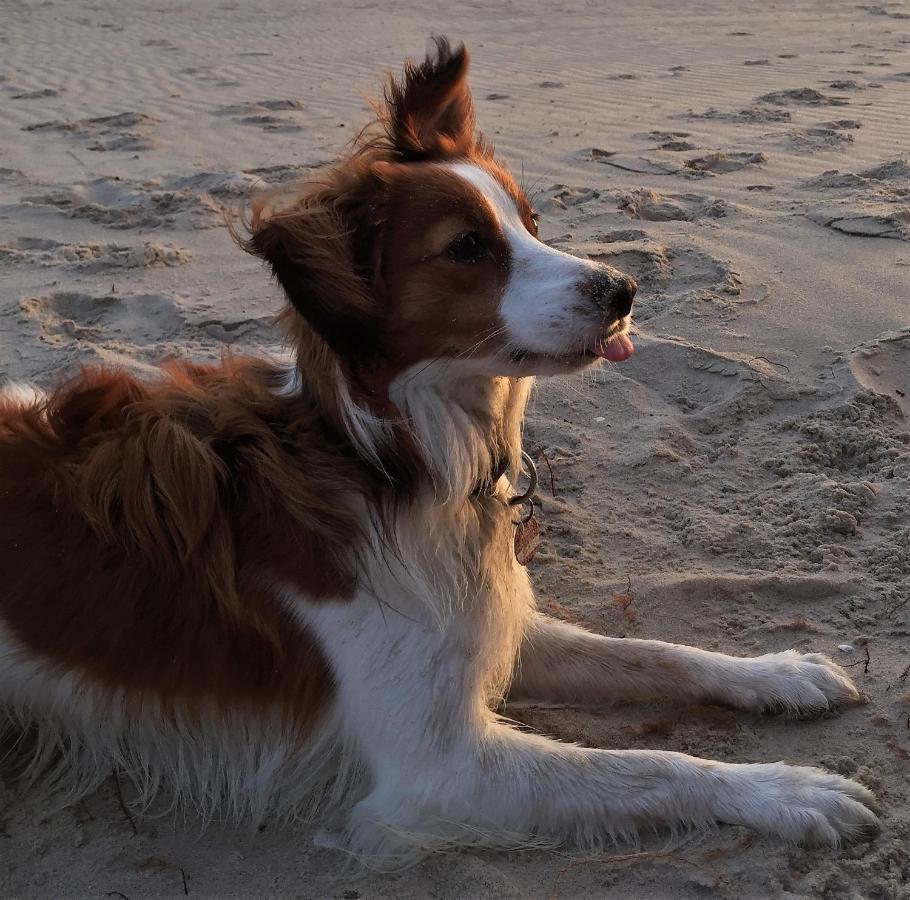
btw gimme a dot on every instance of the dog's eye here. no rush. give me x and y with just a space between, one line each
467 248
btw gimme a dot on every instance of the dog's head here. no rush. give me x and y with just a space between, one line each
421 246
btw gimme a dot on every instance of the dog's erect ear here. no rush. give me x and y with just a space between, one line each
429 111
323 262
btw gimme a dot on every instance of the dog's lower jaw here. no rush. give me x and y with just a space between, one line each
525 364
613 346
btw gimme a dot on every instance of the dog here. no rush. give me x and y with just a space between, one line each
294 589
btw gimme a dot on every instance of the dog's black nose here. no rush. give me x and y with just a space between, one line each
623 295
614 295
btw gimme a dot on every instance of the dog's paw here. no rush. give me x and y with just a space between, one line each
798 683
803 805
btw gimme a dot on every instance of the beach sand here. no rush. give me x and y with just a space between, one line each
741 484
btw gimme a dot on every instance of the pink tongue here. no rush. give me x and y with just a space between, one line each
616 350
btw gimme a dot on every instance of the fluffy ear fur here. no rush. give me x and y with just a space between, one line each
321 251
323 248
429 111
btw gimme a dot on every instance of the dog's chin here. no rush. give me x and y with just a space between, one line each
613 348
528 363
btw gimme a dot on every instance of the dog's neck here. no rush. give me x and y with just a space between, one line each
460 424
457 422
464 424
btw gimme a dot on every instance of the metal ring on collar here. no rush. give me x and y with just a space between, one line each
531 469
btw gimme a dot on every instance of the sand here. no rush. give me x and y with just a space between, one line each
742 483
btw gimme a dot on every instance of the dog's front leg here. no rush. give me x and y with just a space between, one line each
564 663
444 771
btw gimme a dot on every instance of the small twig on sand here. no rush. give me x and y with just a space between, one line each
123 806
771 362
865 662
116 894
186 890
546 459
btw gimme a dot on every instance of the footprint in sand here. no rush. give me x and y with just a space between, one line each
847 85
667 276
193 201
884 367
871 203
669 140
38 95
662 135
623 235
115 203
718 388
561 197
677 146
655 207
232 185
865 220
721 163
823 136
107 321
749 115
282 173
880 177
802 97
262 328
593 154
91 257
125 131
884 11
270 123
640 165
262 114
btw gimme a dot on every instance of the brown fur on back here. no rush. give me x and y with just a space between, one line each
172 509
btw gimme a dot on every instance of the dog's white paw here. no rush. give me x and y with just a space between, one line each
801 804
800 683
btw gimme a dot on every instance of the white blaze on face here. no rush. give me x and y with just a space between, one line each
543 306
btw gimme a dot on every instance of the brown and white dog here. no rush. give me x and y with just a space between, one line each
270 589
